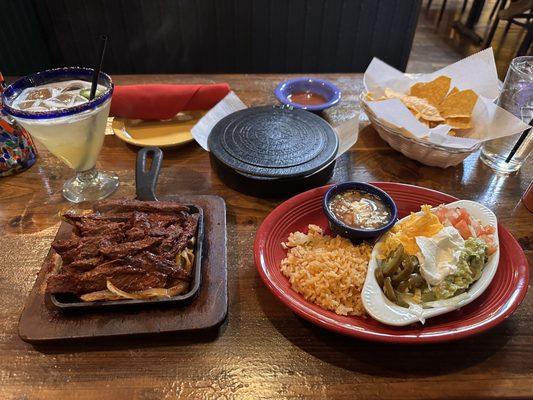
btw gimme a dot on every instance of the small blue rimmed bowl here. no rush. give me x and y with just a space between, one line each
356 234
325 89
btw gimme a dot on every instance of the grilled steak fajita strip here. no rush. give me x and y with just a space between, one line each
123 276
137 205
132 244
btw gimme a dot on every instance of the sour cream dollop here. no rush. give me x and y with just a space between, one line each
439 254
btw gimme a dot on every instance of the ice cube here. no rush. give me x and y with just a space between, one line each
39 94
64 99
524 66
79 100
39 106
55 87
33 106
75 86
24 105
52 104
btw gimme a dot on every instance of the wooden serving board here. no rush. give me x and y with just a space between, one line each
40 323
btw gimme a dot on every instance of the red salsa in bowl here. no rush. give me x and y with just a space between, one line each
307 98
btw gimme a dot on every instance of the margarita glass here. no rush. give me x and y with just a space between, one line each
53 106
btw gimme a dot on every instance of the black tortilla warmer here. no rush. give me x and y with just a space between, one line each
270 151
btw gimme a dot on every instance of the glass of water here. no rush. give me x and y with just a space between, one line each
517 98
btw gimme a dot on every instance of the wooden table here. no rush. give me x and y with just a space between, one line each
263 350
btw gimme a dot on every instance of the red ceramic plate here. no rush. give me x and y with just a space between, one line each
499 300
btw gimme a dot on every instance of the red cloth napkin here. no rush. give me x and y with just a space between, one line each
159 101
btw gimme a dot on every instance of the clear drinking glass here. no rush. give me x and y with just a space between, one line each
517 98
73 133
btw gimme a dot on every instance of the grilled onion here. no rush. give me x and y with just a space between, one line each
184 259
149 293
101 295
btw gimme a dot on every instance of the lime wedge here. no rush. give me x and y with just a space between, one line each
87 93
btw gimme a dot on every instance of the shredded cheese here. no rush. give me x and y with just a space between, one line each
404 232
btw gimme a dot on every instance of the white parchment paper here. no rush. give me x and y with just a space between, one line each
347 131
229 104
477 72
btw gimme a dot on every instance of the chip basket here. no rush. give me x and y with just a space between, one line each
427 153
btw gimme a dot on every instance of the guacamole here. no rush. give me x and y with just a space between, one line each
471 263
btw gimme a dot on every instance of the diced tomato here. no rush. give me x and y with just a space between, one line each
483 229
441 214
454 216
489 240
487 230
463 229
468 227
464 215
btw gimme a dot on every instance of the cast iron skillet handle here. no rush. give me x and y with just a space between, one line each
146 180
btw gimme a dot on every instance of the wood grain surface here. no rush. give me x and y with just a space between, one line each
263 350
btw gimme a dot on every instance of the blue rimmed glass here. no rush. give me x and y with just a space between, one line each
74 134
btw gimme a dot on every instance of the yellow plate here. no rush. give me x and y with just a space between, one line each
168 133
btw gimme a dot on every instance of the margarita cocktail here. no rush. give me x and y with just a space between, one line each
54 106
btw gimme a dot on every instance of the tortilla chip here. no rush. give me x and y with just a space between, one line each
433 92
460 123
454 90
459 104
423 108
391 94
370 96
415 113
419 107
423 121
430 124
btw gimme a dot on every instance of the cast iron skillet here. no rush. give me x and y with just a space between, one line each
145 182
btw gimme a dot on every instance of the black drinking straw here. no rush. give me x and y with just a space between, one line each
519 142
94 84
98 66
